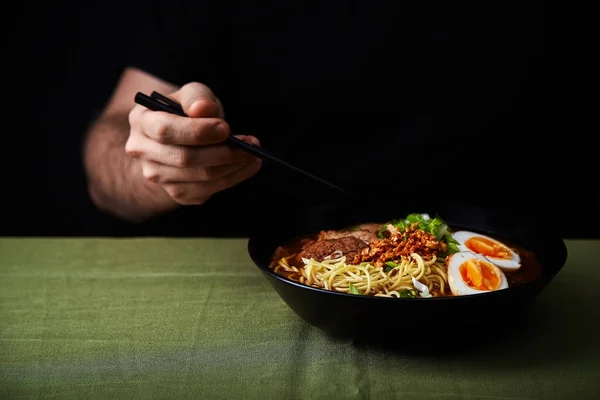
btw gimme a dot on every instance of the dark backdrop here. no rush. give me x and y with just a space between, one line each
62 62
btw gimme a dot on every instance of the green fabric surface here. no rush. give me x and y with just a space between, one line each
194 318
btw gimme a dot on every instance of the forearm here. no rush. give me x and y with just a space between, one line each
115 181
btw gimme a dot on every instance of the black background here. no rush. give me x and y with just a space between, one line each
61 62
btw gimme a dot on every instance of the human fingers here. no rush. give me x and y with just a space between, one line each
198 192
143 148
160 173
168 128
198 100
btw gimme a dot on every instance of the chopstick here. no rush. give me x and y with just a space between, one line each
159 102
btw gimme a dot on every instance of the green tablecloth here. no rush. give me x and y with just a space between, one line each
194 318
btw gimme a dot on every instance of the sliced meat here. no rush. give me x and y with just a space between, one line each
367 233
365 236
348 246
294 246
373 228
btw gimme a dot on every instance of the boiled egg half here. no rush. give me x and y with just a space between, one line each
495 251
470 273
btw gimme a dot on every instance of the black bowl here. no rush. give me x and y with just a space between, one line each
347 316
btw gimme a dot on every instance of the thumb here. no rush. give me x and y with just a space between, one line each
198 101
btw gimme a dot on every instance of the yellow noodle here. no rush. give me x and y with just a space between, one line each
308 274
440 283
336 275
357 277
441 272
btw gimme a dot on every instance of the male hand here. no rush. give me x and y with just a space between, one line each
187 156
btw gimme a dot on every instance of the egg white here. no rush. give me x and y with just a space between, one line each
458 286
508 265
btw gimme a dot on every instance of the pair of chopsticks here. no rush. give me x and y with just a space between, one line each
159 102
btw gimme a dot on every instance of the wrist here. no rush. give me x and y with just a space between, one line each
117 186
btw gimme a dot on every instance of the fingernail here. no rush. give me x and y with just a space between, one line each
254 141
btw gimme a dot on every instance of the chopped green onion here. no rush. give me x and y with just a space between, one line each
353 289
408 294
435 226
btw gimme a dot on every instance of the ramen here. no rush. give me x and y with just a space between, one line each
413 257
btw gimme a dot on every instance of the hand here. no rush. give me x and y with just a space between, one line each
186 156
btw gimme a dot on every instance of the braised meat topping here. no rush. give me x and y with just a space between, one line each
320 250
401 244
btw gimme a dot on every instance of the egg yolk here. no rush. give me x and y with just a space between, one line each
480 275
487 247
